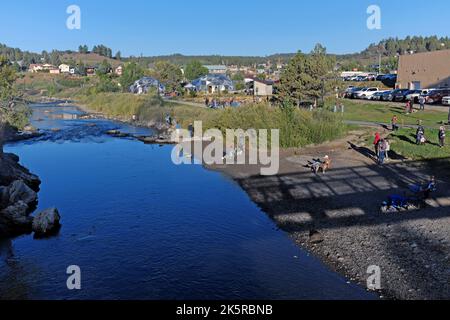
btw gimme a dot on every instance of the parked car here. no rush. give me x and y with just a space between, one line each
391 95
387 95
377 96
415 94
366 93
351 93
400 95
446 101
436 96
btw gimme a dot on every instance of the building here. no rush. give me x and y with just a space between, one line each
263 88
143 86
64 68
54 71
212 83
259 88
35 68
424 70
219 69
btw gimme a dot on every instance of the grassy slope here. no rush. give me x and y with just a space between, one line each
383 112
404 143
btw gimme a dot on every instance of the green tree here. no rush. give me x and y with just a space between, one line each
307 77
131 72
168 74
195 70
12 111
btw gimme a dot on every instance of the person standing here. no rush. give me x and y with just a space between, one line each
387 144
376 144
408 107
422 103
381 152
394 122
441 137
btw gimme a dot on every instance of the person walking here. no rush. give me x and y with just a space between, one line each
408 107
381 152
411 105
387 144
441 137
420 133
394 122
422 103
376 144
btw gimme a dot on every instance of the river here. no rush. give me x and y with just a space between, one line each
140 227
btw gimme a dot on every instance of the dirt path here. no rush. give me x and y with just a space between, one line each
412 249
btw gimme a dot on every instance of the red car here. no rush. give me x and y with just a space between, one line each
436 96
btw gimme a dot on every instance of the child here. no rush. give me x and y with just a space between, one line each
387 144
441 137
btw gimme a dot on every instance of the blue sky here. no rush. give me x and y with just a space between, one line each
232 27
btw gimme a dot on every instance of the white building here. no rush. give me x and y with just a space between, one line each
64 68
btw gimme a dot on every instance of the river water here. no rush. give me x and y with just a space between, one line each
140 227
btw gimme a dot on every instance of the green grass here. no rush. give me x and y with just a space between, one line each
403 143
383 112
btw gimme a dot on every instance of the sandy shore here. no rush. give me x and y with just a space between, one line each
412 248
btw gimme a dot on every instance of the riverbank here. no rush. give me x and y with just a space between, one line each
337 216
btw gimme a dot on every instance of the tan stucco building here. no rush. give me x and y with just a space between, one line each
424 70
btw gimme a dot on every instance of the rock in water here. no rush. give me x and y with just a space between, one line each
47 222
19 191
315 237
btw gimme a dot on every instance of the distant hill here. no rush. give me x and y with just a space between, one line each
182 60
388 49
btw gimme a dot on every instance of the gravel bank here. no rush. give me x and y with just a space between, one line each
337 216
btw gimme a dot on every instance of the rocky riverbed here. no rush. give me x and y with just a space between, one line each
19 195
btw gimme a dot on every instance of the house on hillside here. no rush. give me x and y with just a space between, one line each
217 69
211 83
143 86
424 70
35 68
64 68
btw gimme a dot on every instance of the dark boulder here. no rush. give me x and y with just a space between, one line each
46 223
